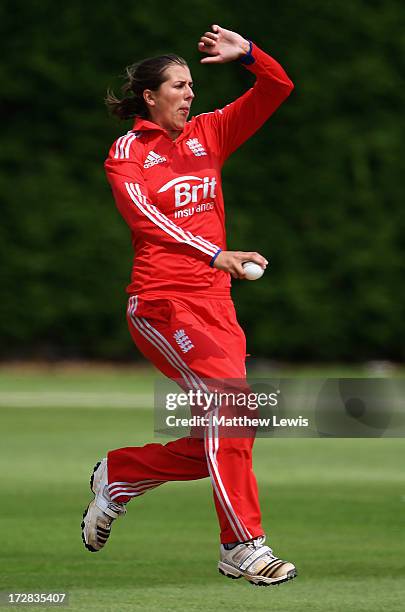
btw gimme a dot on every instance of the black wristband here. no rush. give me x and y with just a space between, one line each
248 58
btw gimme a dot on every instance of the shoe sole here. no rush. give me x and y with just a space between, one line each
92 476
289 576
89 548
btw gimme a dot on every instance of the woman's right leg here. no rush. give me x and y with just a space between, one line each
213 351
189 349
163 333
135 470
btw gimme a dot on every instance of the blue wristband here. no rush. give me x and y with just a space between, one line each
248 58
214 258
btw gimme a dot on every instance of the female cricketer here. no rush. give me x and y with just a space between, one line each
165 176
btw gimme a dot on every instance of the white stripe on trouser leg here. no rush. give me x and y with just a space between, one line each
213 445
198 381
151 335
216 448
212 458
135 490
132 492
160 342
132 484
216 437
167 350
142 484
139 325
214 486
114 487
153 339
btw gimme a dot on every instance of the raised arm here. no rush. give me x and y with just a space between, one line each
237 121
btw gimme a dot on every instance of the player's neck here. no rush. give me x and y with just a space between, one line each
173 134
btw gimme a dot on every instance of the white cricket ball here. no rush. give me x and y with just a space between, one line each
252 270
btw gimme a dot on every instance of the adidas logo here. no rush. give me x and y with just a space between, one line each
196 147
183 340
153 158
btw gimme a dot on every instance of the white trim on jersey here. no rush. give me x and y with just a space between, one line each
123 145
159 219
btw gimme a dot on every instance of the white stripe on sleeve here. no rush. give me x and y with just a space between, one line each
150 211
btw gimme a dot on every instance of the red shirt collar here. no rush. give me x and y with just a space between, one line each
141 124
144 124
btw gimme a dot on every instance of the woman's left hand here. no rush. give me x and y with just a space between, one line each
222 46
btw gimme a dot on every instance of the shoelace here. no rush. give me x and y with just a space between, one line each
119 508
258 543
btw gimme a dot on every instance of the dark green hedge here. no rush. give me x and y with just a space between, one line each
318 190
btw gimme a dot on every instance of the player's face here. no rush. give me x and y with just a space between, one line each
169 105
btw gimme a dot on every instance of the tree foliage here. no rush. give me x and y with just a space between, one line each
317 190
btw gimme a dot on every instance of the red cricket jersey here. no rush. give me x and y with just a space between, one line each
170 193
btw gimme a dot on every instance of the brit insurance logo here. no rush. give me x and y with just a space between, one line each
191 189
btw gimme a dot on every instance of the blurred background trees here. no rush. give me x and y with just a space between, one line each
317 190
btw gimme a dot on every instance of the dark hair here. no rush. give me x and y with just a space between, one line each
146 74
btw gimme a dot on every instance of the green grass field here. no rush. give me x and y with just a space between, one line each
334 507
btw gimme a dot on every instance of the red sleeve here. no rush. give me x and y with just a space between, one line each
236 122
125 175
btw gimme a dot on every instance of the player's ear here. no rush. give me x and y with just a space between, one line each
149 97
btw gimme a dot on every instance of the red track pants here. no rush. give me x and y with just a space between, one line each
218 351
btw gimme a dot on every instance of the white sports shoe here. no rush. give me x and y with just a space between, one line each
100 512
256 563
